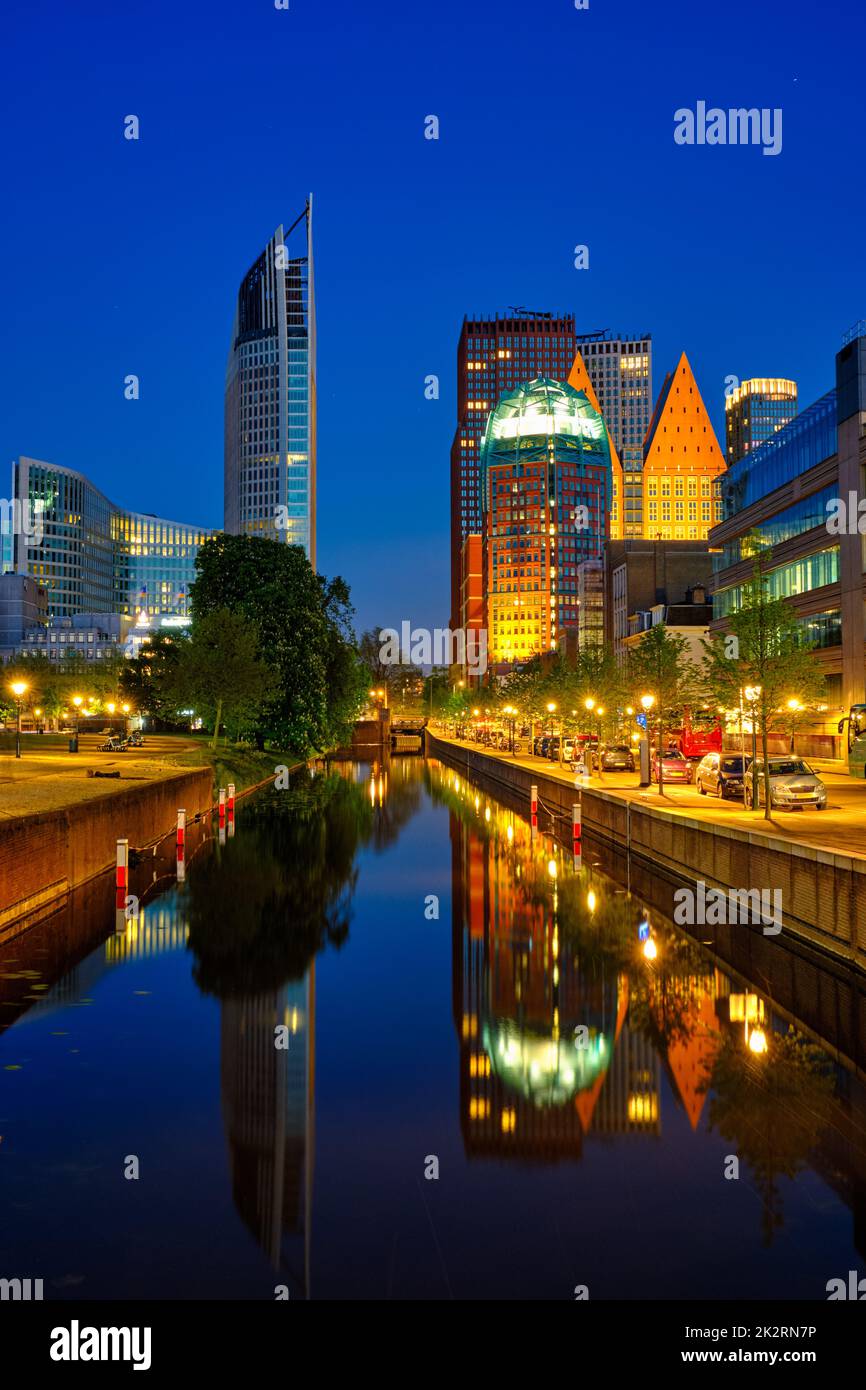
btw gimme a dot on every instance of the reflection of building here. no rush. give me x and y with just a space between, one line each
518 995
494 355
95 557
546 488
755 410
270 395
268 1096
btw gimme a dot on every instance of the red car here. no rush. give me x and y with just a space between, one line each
675 768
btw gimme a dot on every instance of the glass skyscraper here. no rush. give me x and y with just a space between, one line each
95 557
270 395
755 410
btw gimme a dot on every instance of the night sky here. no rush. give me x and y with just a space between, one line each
556 129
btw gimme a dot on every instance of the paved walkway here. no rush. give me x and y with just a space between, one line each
46 778
840 828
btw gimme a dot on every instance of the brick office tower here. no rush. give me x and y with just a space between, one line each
546 490
494 355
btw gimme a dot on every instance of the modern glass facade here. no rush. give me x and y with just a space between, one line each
803 516
621 372
787 581
755 411
94 557
270 395
806 441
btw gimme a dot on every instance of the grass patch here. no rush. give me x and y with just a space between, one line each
237 763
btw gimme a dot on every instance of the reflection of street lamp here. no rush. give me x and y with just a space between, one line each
18 689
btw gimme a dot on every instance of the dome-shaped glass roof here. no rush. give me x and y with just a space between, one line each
526 419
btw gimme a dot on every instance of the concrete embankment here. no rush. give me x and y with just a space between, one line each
823 894
44 855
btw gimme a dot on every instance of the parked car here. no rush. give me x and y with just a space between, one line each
722 774
675 768
614 757
541 745
792 783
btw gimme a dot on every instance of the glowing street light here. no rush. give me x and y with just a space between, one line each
19 689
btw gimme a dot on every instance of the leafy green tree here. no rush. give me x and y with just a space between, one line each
303 624
147 681
220 674
660 665
763 652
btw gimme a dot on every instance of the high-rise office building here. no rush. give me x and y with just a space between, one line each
683 464
94 557
621 372
755 410
494 355
270 395
546 483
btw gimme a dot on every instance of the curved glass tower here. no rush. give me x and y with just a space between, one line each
270 396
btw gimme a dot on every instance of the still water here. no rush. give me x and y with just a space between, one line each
580 1090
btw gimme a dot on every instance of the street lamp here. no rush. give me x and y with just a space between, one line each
647 702
18 689
795 707
551 709
37 715
753 695
73 742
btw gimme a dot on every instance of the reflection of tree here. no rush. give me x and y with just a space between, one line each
771 1107
665 998
261 908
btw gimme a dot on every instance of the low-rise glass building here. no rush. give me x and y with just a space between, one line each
94 557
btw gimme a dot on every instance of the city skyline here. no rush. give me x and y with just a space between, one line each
153 287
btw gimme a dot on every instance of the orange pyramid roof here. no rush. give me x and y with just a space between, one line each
681 438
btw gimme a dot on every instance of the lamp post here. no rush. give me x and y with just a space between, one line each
551 709
795 707
18 689
753 695
647 702
73 742
37 715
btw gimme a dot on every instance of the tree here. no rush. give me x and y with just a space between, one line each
763 652
147 680
219 673
660 665
302 623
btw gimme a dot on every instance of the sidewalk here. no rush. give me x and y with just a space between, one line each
840 829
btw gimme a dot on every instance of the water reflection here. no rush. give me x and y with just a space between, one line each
582 1018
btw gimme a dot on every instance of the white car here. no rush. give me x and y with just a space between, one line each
792 783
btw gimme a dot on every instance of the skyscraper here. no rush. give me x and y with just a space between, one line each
270 395
546 483
621 372
494 355
683 464
755 410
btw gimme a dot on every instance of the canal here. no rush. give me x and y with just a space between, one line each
504 1077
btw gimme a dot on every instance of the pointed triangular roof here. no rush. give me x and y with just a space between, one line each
681 437
579 378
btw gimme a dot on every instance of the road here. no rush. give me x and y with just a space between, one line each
840 828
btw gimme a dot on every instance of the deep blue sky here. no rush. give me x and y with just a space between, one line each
556 128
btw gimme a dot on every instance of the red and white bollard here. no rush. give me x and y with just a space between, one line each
181 828
231 801
576 827
533 808
121 873
222 806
